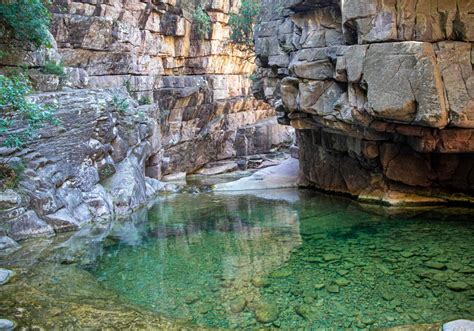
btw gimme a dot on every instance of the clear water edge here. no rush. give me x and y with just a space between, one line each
320 262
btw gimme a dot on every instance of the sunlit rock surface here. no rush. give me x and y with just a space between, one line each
381 94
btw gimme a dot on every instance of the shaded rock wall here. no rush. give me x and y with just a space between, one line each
200 83
189 97
381 94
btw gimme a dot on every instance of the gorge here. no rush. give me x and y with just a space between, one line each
169 176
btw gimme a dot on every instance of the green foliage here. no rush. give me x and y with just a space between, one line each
242 23
28 19
202 22
144 100
14 106
53 68
120 104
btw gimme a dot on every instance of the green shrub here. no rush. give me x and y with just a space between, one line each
15 106
28 19
242 23
144 100
53 68
202 22
120 104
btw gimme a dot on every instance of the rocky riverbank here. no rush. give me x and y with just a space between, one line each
381 95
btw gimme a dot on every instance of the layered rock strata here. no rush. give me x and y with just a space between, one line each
143 96
381 94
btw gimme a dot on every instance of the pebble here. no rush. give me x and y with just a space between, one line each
435 265
343 272
5 276
330 257
458 286
388 296
259 281
318 286
6 324
190 299
281 273
342 281
267 313
238 305
304 311
440 277
332 288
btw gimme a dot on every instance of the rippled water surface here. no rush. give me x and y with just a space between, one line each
313 261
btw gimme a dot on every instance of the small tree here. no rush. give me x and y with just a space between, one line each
15 106
28 19
202 22
242 24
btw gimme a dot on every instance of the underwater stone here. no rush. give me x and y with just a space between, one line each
458 286
259 281
332 288
267 313
5 276
318 286
342 281
304 311
435 265
330 257
238 305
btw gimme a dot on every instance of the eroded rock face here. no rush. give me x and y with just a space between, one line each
190 104
381 94
200 83
89 168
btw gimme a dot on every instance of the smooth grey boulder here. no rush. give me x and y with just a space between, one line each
5 275
459 325
6 324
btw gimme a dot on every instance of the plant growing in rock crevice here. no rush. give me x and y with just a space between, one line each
120 104
202 22
20 117
243 22
29 20
53 68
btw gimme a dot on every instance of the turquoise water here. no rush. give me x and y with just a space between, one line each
311 262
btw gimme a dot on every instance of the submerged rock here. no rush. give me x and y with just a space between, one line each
267 313
458 286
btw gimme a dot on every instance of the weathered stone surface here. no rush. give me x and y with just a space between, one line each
386 109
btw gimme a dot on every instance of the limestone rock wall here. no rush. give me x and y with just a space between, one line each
200 83
190 104
381 94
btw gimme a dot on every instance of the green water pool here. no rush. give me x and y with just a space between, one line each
297 260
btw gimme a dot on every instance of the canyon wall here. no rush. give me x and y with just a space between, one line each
143 96
381 94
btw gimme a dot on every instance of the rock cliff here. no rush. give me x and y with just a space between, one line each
381 94
143 96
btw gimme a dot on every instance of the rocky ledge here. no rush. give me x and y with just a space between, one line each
381 94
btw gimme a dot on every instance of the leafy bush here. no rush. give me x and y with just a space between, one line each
202 22
28 19
15 106
144 100
53 68
242 23
120 104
